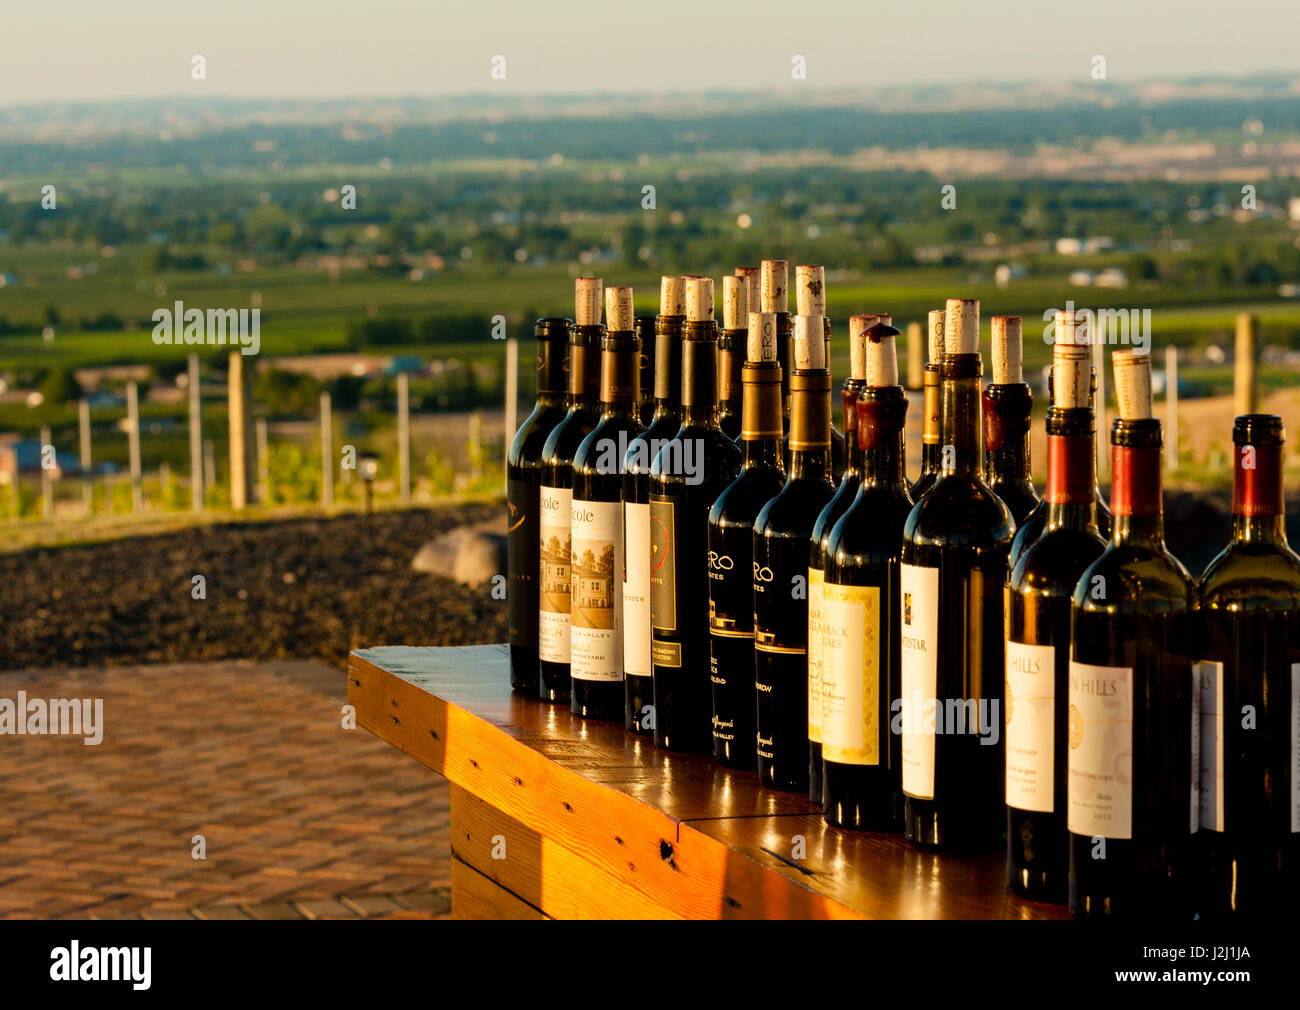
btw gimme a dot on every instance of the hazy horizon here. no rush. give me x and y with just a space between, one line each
294 50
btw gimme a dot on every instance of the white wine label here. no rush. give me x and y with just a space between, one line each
1197 700
815 577
920 676
1100 767
595 596
636 589
1295 747
1030 712
554 570
850 692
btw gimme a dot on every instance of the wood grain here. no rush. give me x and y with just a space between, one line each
474 896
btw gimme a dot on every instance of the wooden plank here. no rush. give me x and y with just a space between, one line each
538 869
612 799
474 896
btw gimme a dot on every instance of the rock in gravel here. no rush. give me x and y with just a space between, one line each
470 554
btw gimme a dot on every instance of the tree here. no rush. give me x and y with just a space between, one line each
60 386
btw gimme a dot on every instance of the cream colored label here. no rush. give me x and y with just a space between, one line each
1030 713
851 674
920 675
636 589
554 574
596 593
815 659
1100 766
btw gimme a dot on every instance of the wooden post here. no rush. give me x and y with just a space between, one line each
476 442
87 478
915 355
263 463
133 443
1244 391
1103 429
238 425
512 398
196 437
1171 408
404 435
326 451
209 464
47 475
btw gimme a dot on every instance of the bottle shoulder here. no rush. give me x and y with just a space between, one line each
960 509
872 526
742 499
1052 564
1251 576
840 503
604 449
568 434
1134 577
795 508
528 442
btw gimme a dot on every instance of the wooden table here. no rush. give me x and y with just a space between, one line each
556 817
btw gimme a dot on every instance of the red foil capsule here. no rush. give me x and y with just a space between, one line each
1135 490
1257 480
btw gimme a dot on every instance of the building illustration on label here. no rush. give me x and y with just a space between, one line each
592 595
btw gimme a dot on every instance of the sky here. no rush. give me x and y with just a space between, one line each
96 49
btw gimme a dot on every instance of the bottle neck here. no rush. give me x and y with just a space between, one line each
810 423
668 366
700 374
620 379
882 418
760 418
584 366
1136 505
731 357
1071 469
1258 512
961 416
931 420
1007 410
849 405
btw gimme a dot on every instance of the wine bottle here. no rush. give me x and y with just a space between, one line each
844 495
810 300
931 403
638 683
731 550
1032 526
782 537
1131 797
523 499
953 566
596 527
1249 682
1008 403
1038 599
686 478
774 296
645 332
731 354
557 492
861 612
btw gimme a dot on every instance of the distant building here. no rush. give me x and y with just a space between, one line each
1293 208
21 457
1112 277
1069 247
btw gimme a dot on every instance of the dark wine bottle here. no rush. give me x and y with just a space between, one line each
953 567
554 539
1032 526
596 589
645 331
1038 599
731 550
523 499
845 493
1249 684
686 478
931 409
782 538
1008 404
861 612
810 300
731 354
638 683
1131 797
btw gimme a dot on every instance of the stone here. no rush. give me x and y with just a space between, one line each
471 555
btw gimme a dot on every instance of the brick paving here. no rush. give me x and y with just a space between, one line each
301 818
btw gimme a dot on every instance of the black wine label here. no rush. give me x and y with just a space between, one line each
666 654
731 582
780 581
663 564
522 559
